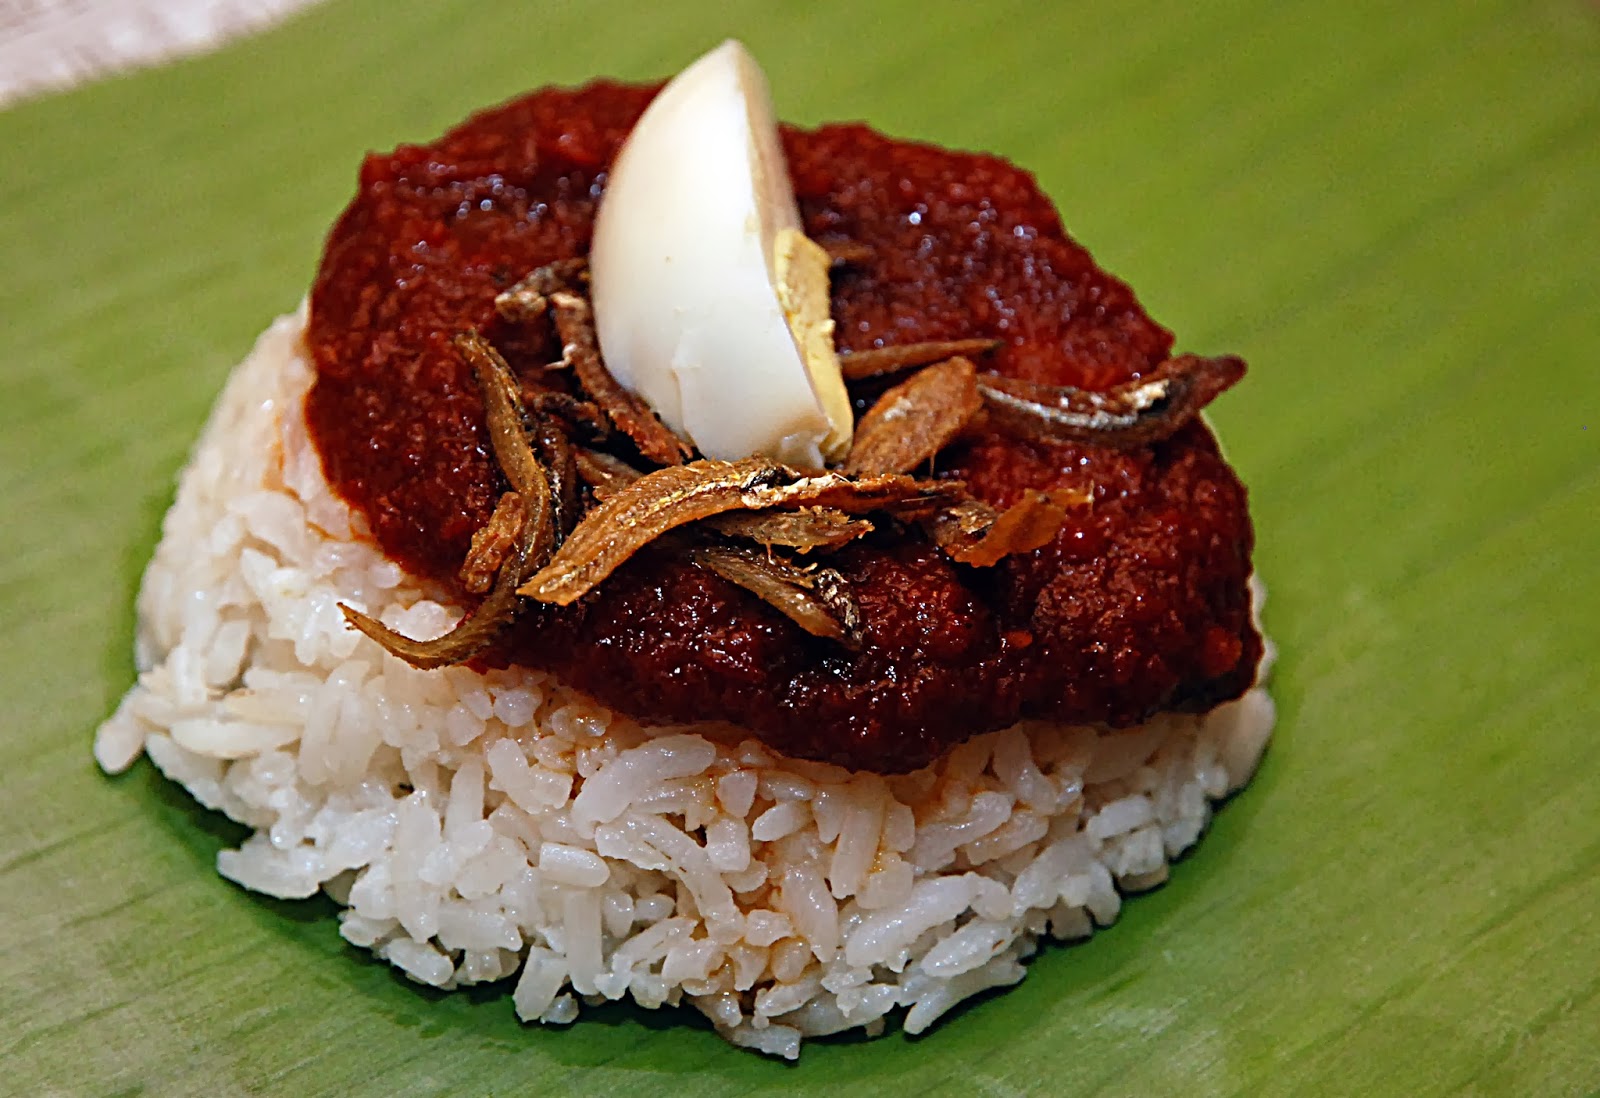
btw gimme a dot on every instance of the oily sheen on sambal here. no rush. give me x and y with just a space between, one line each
1139 604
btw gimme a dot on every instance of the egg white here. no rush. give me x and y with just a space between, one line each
709 301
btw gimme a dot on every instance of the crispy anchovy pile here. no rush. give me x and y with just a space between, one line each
573 512
557 289
645 509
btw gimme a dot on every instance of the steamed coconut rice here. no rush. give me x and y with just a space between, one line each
480 827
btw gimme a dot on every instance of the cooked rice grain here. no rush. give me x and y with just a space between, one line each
480 826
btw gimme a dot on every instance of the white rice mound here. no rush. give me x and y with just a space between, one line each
482 826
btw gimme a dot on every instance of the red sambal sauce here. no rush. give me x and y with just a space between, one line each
1140 604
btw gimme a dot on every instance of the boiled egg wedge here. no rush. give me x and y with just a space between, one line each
709 300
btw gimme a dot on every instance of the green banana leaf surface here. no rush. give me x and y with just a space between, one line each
1392 211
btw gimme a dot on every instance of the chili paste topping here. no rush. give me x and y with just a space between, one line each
1054 535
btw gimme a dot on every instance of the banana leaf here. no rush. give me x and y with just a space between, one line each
1393 212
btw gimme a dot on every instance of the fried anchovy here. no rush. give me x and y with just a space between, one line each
642 511
848 253
894 494
817 601
806 529
834 591
604 473
859 365
580 416
530 298
504 413
632 416
1135 413
554 448
493 542
933 496
532 450
916 419
803 530
964 520
470 635
506 418
557 289
972 532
